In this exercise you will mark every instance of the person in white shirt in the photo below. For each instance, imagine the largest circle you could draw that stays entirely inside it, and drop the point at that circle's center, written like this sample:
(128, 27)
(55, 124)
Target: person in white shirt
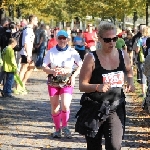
(59, 64)
(27, 63)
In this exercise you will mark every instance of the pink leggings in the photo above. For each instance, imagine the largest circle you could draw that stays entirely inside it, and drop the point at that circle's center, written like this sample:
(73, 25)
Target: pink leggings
(58, 91)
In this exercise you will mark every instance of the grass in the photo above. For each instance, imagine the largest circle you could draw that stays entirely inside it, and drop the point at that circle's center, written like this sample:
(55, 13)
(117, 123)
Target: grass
(141, 117)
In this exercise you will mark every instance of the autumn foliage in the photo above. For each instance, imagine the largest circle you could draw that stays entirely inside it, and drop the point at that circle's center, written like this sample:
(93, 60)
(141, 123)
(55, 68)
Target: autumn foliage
(65, 10)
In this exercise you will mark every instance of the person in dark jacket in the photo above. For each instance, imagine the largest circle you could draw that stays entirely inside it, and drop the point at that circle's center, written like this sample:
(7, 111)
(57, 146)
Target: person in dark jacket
(103, 102)
(139, 33)
(135, 39)
(5, 33)
(147, 52)
(128, 42)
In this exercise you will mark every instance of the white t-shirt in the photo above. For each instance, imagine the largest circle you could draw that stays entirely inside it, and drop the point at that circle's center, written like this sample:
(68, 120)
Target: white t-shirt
(28, 38)
(69, 58)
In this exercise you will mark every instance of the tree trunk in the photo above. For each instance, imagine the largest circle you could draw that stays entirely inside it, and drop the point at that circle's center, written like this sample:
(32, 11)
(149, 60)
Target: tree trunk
(147, 13)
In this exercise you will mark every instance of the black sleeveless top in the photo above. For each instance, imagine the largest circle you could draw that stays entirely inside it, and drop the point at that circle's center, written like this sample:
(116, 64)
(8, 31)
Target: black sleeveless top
(115, 93)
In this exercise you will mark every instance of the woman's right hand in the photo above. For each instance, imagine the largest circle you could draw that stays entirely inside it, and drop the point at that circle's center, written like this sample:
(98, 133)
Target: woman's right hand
(104, 87)
(56, 71)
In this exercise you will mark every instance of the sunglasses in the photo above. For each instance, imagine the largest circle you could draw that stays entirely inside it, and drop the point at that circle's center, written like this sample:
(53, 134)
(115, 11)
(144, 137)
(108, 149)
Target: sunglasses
(108, 40)
(62, 38)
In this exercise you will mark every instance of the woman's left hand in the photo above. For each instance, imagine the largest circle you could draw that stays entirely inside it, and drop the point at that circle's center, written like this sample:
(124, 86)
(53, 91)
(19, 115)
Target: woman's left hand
(130, 88)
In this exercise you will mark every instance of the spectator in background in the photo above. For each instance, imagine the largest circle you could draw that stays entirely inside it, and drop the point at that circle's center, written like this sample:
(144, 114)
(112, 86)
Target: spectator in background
(122, 34)
(128, 42)
(120, 43)
(69, 36)
(13, 27)
(135, 39)
(23, 23)
(73, 33)
(146, 101)
(9, 67)
(79, 43)
(90, 39)
(147, 51)
(5, 33)
(137, 36)
(55, 31)
(27, 63)
(48, 32)
(41, 46)
(18, 24)
(52, 42)
(134, 31)
(140, 51)
(4, 24)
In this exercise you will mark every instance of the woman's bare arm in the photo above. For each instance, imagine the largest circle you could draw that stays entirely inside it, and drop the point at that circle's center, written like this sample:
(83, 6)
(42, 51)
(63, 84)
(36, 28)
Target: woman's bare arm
(48, 70)
(85, 75)
(128, 68)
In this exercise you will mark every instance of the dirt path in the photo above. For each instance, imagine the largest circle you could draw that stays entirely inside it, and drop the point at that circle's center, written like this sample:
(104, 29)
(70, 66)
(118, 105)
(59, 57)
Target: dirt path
(25, 122)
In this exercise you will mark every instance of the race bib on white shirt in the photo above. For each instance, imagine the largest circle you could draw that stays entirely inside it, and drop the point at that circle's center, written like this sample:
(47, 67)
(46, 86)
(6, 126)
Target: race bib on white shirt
(116, 79)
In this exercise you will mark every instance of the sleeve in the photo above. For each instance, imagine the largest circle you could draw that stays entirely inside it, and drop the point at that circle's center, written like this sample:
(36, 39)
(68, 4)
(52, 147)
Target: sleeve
(77, 60)
(27, 36)
(46, 60)
(148, 41)
(49, 44)
(139, 42)
(43, 34)
(133, 40)
(123, 43)
(13, 60)
(74, 40)
(147, 47)
(83, 39)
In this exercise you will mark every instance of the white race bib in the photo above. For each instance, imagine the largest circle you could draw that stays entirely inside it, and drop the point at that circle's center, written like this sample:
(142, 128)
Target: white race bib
(116, 79)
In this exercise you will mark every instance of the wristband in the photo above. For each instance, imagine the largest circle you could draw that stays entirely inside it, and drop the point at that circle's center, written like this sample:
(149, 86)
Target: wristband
(97, 87)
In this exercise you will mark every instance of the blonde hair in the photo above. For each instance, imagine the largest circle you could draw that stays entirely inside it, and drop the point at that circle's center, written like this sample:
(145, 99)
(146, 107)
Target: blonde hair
(144, 31)
(105, 26)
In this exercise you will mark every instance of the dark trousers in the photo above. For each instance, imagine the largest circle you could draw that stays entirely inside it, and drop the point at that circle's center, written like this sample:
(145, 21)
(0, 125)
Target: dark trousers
(140, 73)
(113, 131)
(81, 53)
(40, 54)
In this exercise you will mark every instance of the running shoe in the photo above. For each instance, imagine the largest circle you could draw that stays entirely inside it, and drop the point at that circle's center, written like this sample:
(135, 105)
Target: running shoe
(66, 132)
(56, 134)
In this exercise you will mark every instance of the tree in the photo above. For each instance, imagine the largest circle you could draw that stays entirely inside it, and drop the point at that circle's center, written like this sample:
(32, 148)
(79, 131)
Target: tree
(65, 10)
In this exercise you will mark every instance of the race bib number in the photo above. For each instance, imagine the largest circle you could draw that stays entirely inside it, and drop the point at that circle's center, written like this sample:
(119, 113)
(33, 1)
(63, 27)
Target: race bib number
(116, 79)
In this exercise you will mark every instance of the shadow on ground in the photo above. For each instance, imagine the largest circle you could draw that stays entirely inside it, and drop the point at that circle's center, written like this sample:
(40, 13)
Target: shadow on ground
(32, 113)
